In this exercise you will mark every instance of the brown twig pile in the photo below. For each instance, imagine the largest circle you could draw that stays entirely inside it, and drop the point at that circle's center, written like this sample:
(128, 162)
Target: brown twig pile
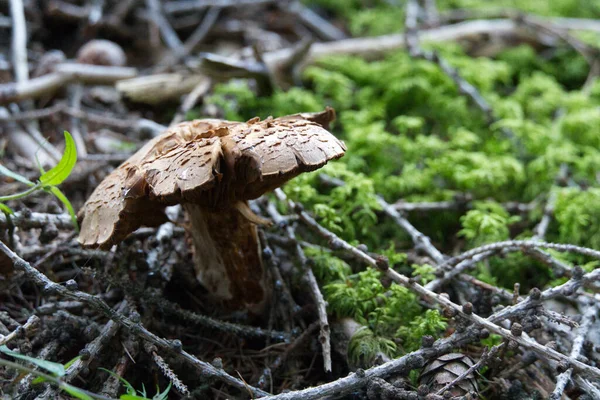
(136, 309)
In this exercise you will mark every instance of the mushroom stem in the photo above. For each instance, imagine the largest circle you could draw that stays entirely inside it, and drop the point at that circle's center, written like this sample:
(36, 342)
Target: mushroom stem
(227, 257)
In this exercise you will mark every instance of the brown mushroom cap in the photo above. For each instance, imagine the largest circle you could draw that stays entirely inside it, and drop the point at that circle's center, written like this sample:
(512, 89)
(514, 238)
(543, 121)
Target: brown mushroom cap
(212, 163)
(102, 52)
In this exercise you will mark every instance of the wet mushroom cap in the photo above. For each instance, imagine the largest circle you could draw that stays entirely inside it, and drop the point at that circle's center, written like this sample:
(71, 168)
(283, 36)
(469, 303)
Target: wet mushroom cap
(212, 163)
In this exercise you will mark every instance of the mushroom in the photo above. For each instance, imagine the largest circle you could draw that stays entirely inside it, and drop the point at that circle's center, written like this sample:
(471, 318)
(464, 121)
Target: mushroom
(101, 52)
(212, 167)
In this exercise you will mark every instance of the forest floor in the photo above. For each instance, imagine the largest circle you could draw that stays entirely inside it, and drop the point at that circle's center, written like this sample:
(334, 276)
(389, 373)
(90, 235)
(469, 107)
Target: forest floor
(452, 252)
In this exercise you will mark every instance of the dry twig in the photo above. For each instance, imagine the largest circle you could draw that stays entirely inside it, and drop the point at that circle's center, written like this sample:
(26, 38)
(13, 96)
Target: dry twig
(324, 335)
(63, 74)
(135, 328)
(589, 317)
(380, 263)
(31, 324)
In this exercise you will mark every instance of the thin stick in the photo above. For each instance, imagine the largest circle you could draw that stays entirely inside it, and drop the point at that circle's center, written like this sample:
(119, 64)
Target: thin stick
(325, 334)
(517, 245)
(464, 87)
(115, 121)
(76, 92)
(168, 33)
(486, 357)
(19, 40)
(136, 328)
(183, 6)
(170, 375)
(64, 73)
(381, 265)
(589, 317)
(193, 40)
(589, 387)
(19, 52)
(539, 232)
(98, 345)
(190, 101)
(32, 323)
(419, 239)
(325, 29)
(27, 220)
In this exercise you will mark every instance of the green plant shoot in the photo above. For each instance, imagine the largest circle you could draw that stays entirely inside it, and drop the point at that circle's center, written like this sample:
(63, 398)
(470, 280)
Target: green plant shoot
(48, 181)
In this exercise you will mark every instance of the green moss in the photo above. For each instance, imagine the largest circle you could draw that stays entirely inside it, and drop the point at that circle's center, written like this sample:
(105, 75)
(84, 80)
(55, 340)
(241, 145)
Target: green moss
(564, 8)
(430, 323)
(582, 127)
(578, 216)
(488, 222)
(412, 136)
(365, 346)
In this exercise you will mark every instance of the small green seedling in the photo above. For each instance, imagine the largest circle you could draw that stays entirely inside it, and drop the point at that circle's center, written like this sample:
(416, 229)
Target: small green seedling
(48, 181)
(55, 372)
(133, 394)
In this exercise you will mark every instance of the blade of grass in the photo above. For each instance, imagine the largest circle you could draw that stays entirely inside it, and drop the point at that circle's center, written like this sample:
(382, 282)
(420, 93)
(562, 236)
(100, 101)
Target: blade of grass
(61, 196)
(17, 177)
(55, 369)
(20, 195)
(62, 170)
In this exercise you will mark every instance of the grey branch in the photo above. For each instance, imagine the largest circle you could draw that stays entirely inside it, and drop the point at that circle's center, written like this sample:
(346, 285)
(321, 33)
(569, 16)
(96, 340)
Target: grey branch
(93, 349)
(518, 245)
(27, 220)
(160, 21)
(381, 264)
(419, 239)
(170, 375)
(372, 47)
(589, 317)
(324, 335)
(589, 387)
(137, 329)
(31, 324)
(325, 29)
(198, 35)
(183, 6)
(63, 74)
(19, 40)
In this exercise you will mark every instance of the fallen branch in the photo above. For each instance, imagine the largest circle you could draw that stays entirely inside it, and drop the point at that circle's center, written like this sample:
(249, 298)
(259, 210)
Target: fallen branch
(324, 335)
(183, 6)
(63, 74)
(28, 220)
(588, 318)
(518, 245)
(380, 263)
(115, 121)
(169, 374)
(93, 349)
(420, 240)
(325, 29)
(160, 21)
(135, 328)
(32, 323)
